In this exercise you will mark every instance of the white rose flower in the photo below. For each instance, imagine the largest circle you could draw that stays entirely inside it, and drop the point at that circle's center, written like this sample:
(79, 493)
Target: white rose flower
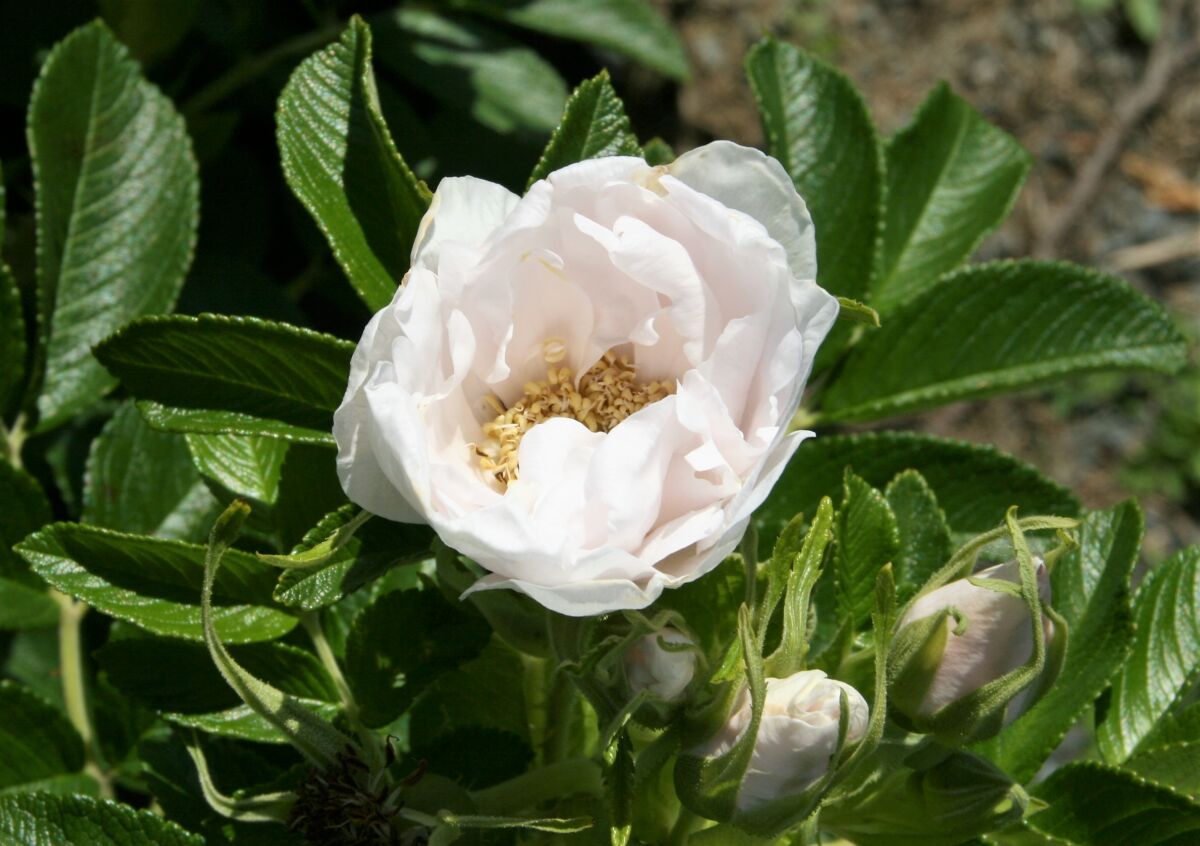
(996, 636)
(664, 672)
(587, 389)
(797, 737)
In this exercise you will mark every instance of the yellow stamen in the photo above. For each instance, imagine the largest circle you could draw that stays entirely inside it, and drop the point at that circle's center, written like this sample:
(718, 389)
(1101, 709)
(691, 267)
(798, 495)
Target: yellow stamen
(607, 393)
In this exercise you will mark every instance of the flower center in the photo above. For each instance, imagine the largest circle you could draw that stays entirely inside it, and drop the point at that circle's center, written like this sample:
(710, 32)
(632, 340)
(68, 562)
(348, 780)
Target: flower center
(607, 393)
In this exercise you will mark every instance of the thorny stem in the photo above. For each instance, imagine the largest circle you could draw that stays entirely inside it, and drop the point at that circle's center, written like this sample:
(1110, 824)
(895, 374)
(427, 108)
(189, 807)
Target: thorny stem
(370, 741)
(70, 656)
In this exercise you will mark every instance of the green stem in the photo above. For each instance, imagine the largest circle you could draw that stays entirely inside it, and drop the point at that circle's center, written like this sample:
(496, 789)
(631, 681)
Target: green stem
(685, 824)
(534, 684)
(70, 657)
(370, 741)
(563, 778)
(250, 69)
(11, 440)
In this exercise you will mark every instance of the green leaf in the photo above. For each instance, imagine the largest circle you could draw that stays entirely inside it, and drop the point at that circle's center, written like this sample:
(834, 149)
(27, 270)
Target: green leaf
(402, 642)
(1171, 766)
(1091, 590)
(975, 484)
(209, 422)
(62, 785)
(43, 819)
(247, 465)
(817, 125)
(1182, 726)
(951, 178)
(12, 335)
(475, 756)
(486, 691)
(1000, 327)
(242, 723)
(1092, 804)
(36, 740)
(341, 163)
(168, 674)
(117, 207)
(593, 125)
(237, 364)
(867, 539)
(142, 481)
(504, 85)
(631, 27)
(374, 549)
(155, 584)
(311, 735)
(925, 541)
(1165, 661)
(23, 510)
(24, 607)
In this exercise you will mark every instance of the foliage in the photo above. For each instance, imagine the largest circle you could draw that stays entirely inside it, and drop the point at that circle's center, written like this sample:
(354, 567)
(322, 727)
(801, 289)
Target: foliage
(195, 619)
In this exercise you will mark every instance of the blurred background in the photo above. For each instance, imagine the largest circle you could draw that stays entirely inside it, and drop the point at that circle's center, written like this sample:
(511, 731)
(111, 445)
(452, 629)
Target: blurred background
(1105, 94)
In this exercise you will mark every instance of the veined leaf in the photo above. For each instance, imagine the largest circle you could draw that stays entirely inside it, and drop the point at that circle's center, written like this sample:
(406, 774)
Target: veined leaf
(402, 642)
(23, 510)
(1000, 327)
(341, 163)
(253, 367)
(951, 178)
(12, 335)
(242, 723)
(116, 209)
(42, 819)
(155, 584)
(211, 422)
(373, 550)
(975, 484)
(247, 465)
(504, 85)
(25, 607)
(1089, 803)
(142, 481)
(1172, 766)
(36, 740)
(867, 539)
(593, 125)
(818, 127)
(1165, 661)
(1091, 590)
(925, 540)
(631, 27)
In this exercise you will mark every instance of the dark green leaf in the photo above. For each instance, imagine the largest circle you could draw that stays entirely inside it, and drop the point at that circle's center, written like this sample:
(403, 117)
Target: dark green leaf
(236, 364)
(12, 335)
(23, 510)
(474, 756)
(486, 691)
(401, 643)
(43, 819)
(1173, 766)
(156, 583)
(1091, 591)
(867, 539)
(818, 127)
(149, 29)
(341, 163)
(1000, 327)
(631, 27)
(925, 542)
(951, 178)
(974, 484)
(176, 675)
(247, 465)
(242, 723)
(116, 208)
(208, 422)
(373, 550)
(469, 67)
(1092, 804)
(1182, 726)
(24, 607)
(36, 740)
(593, 125)
(1166, 655)
(142, 481)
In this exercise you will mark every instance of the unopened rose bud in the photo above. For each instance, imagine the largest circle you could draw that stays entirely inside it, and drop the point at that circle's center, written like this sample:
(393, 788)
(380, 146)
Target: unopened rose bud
(797, 738)
(666, 673)
(987, 633)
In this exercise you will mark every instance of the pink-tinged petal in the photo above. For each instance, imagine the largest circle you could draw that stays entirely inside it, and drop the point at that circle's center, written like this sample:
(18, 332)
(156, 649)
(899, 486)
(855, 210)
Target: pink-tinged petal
(463, 213)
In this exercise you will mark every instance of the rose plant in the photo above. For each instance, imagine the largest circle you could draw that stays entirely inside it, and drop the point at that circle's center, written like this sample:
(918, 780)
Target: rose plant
(545, 550)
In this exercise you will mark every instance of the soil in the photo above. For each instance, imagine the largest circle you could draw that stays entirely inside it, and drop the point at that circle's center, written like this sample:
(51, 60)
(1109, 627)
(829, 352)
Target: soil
(1050, 74)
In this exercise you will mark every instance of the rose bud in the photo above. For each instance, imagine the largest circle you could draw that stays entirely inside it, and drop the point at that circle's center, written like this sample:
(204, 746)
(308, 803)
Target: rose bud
(588, 390)
(797, 737)
(963, 636)
(666, 673)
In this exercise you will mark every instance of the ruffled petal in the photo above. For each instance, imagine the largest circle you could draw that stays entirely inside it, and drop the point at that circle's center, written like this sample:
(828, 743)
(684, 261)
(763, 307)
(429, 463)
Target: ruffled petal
(464, 212)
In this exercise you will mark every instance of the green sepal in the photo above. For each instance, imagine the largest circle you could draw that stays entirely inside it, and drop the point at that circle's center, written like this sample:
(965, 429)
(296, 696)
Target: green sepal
(804, 568)
(321, 553)
(266, 807)
(917, 650)
(854, 311)
(315, 739)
